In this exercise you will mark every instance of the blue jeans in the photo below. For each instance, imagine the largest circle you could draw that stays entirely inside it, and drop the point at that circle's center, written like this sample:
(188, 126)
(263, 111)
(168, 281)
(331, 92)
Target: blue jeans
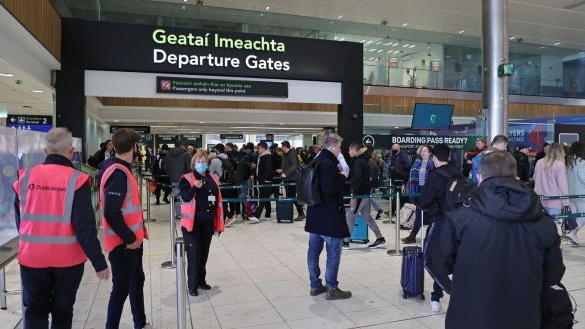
(553, 212)
(333, 247)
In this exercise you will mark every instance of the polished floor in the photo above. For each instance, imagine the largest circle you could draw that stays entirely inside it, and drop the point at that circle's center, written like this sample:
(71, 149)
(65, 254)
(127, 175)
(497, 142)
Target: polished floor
(260, 280)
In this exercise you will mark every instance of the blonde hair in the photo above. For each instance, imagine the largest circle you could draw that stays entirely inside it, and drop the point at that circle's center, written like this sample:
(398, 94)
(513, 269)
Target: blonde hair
(198, 155)
(555, 153)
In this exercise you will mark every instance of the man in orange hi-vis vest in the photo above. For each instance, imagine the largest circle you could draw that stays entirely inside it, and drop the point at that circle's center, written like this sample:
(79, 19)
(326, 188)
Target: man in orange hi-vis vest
(56, 222)
(123, 230)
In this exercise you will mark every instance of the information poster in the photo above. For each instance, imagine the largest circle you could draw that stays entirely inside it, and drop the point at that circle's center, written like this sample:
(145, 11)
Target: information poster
(213, 87)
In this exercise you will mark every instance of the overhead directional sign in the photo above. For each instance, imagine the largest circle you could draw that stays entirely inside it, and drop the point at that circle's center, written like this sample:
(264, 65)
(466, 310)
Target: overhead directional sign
(42, 123)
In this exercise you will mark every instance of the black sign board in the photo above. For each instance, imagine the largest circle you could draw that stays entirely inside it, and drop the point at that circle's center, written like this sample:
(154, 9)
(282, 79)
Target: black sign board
(29, 119)
(194, 140)
(231, 136)
(143, 130)
(147, 140)
(215, 87)
(165, 139)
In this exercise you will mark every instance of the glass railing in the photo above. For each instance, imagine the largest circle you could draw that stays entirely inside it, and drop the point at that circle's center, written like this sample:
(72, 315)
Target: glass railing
(424, 78)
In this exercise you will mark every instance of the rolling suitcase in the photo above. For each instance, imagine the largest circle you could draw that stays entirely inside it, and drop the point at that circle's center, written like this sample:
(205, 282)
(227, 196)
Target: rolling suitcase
(284, 208)
(250, 207)
(412, 276)
(360, 231)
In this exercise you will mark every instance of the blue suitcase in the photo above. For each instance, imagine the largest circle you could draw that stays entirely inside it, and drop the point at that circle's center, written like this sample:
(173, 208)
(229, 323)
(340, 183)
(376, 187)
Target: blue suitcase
(412, 276)
(360, 231)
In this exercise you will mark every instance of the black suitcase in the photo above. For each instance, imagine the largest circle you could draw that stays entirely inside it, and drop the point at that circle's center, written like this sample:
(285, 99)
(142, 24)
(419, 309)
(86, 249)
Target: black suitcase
(412, 276)
(284, 211)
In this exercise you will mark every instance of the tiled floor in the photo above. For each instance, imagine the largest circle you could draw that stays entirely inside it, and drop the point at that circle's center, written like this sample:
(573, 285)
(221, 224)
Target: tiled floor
(260, 280)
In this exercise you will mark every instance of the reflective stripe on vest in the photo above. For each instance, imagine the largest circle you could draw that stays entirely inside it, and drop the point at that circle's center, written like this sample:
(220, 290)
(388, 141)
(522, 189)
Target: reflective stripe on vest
(189, 208)
(131, 208)
(47, 236)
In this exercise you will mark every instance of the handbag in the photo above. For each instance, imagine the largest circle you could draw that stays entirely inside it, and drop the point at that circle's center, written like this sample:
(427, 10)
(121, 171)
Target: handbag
(571, 222)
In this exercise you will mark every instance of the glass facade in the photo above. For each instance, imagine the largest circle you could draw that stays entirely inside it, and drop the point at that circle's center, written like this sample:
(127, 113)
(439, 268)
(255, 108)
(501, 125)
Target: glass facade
(393, 56)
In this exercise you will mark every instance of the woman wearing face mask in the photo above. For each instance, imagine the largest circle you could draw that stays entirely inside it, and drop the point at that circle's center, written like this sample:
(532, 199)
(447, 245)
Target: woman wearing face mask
(201, 216)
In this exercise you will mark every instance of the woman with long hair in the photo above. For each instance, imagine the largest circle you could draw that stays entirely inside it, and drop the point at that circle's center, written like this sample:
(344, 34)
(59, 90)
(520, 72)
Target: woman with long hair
(419, 172)
(201, 216)
(550, 179)
(576, 180)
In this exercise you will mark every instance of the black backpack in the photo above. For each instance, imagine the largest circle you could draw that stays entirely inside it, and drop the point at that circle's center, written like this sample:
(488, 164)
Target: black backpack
(228, 172)
(557, 311)
(93, 161)
(308, 192)
(457, 193)
(374, 173)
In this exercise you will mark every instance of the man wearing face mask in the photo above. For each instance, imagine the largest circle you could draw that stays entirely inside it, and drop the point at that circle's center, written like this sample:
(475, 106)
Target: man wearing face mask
(326, 221)
(201, 216)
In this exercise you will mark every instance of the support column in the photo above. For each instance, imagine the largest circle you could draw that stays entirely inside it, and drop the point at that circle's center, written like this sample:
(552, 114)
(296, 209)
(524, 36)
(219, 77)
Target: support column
(495, 52)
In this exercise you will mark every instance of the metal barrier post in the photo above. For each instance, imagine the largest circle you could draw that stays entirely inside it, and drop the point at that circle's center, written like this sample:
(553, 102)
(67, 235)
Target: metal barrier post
(148, 196)
(3, 303)
(172, 263)
(397, 251)
(140, 187)
(181, 296)
(422, 230)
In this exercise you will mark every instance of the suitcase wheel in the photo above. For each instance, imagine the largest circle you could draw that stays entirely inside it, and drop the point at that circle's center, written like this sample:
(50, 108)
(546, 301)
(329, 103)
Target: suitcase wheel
(422, 297)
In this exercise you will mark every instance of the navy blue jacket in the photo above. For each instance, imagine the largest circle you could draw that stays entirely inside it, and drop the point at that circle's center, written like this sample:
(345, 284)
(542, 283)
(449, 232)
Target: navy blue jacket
(82, 216)
(115, 192)
(328, 218)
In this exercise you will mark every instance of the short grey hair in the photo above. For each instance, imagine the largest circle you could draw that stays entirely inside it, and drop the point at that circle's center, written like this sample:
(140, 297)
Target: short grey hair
(58, 140)
(331, 140)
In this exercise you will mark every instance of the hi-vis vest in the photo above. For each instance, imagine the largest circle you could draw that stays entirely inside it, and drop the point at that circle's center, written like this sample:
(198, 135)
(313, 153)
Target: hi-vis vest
(131, 208)
(188, 209)
(47, 237)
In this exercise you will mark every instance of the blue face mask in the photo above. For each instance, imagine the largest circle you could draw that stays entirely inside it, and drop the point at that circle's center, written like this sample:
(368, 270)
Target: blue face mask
(201, 167)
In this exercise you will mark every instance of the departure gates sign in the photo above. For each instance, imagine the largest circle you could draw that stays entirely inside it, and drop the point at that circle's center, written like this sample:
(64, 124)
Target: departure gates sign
(198, 51)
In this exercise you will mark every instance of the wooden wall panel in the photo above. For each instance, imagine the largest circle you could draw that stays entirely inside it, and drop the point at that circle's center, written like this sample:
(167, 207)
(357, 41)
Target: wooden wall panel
(40, 19)
(198, 103)
(372, 104)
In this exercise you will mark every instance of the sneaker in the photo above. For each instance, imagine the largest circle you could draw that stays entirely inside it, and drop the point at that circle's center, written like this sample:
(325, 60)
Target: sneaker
(166, 200)
(300, 218)
(230, 221)
(253, 220)
(379, 243)
(157, 203)
(573, 237)
(265, 219)
(318, 291)
(386, 221)
(379, 215)
(336, 293)
(435, 306)
(409, 240)
(345, 246)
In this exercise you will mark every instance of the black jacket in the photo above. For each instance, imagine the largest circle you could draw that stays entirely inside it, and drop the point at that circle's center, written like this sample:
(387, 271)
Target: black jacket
(264, 168)
(178, 163)
(501, 249)
(522, 166)
(359, 173)
(328, 218)
(82, 216)
(432, 193)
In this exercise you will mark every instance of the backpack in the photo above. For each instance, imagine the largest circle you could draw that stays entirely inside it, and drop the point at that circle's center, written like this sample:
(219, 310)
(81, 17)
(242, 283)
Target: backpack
(93, 161)
(457, 193)
(557, 310)
(308, 192)
(374, 173)
(228, 172)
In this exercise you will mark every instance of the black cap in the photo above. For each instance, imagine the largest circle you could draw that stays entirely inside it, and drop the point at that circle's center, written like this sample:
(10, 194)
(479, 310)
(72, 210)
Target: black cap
(165, 147)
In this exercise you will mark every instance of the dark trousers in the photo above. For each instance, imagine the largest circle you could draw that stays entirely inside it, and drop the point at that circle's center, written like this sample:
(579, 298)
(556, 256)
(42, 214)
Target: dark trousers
(49, 290)
(159, 187)
(291, 192)
(432, 246)
(230, 208)
(265, 192)
(197, 245)
(128, 281)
